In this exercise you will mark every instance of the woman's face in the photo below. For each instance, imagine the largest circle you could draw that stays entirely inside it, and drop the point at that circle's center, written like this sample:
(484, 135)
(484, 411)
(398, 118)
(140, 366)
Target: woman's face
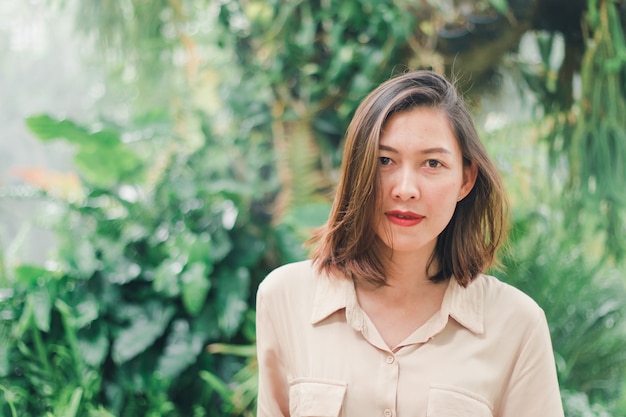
(422, 178)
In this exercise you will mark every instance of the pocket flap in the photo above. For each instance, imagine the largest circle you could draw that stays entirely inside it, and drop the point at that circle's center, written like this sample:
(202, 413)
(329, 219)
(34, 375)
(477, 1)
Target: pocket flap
(316, 398)
(448, 401)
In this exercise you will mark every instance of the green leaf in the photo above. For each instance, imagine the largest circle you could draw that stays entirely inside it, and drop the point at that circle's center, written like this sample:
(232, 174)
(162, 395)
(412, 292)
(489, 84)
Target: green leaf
(5, 348)
(84, 258)
(100, 412)
(148, 323)
(101, 156)
(232, 296)
(123, 271)
(181, 349)
(24, 323)
(217, 385)
(289, 243)
(105, 139)
(199, 249)
(72, 407)
(41, 303)
(221, 245)
(166, 278)
(105, 166)
(195, 285)
(47, 128)
(87, 311)
(502, 6)
(97, 168)
(94, 344)
(29, 275)
(247, 351)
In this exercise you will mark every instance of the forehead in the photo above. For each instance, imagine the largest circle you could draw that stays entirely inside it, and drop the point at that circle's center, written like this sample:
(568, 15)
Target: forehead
(425, 126)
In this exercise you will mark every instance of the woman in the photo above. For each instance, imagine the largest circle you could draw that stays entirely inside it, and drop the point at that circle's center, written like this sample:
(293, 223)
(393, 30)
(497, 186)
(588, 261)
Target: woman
(393, 315)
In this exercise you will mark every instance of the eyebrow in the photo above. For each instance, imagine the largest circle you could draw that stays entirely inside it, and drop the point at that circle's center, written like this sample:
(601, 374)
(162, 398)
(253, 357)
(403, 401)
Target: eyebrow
(426, 151)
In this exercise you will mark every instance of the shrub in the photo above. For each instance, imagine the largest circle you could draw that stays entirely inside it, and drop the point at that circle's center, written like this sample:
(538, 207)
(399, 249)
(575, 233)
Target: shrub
(156, 260)
(585, 303)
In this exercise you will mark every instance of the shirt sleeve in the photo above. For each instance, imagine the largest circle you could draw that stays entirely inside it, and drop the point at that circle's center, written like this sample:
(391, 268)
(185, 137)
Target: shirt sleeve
(273, 393)
(533, 389)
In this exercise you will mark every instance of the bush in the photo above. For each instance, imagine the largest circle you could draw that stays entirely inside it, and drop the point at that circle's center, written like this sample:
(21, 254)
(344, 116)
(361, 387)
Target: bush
(156, 261)
(585, 304)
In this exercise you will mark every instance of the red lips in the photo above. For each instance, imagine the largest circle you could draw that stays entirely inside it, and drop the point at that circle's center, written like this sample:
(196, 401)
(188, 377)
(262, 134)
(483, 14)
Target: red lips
(404, 218)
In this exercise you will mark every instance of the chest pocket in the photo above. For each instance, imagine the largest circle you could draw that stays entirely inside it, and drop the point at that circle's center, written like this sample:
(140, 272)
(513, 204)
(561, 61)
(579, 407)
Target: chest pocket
(449, 401)
(310, 397)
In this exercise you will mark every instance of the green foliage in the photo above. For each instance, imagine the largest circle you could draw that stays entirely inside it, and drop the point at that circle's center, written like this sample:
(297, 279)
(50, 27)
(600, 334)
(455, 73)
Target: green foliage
(316, 60)
(41, 348)
(324, 54)
(577, 404)
(584, 300)
(598, 143)
(137, 42)
(502, 6)
(588, 136)
(147, 309)
(101, 156)
(564, 267)
(148, 273)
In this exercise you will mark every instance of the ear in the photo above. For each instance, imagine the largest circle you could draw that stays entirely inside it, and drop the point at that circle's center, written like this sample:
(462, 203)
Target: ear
(470, 172)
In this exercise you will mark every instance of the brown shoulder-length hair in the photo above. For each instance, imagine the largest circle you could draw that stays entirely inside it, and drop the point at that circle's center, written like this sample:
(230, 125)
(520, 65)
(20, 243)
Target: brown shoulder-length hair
(467, 246)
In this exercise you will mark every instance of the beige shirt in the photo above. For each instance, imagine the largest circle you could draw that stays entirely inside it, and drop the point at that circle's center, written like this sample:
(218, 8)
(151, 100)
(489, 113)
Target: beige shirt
(487, 352)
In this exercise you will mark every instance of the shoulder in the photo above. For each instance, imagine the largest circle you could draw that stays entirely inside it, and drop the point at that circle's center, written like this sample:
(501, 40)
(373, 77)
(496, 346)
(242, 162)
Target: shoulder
(289, 278)
(289, 294)
(503, 301)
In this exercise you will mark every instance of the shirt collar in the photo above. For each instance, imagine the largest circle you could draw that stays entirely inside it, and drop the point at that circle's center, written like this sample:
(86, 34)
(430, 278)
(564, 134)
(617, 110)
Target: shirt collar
(333, 293)
(465, 305)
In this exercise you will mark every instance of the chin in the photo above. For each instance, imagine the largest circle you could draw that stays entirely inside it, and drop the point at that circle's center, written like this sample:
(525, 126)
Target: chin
(407, 248)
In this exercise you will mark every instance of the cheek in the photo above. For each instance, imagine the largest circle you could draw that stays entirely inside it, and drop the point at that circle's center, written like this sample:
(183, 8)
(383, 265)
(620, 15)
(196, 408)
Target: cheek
(377, 207)
(445, 191)
(383, 186)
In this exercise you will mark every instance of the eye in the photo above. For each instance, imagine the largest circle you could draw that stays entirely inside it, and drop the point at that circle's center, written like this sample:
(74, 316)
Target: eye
(433, 163)
(384, 160)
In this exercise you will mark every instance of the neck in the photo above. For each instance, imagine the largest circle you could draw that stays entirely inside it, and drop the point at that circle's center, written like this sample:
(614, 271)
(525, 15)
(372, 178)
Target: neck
(409, 267)
(406, 276)
(408, 290)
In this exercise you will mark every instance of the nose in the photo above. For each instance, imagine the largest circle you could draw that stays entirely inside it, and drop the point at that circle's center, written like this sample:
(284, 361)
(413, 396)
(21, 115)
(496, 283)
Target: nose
(406, 185)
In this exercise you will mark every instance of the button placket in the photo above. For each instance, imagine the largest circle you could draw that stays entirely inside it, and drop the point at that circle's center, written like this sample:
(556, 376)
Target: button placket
(392, 378)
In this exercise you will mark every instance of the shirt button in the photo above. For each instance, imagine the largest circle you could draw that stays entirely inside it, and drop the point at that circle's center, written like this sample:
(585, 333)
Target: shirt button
(390, 360)
(387, 412)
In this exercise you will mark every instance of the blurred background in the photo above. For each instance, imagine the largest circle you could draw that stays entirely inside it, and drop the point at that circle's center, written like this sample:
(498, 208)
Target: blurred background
(158, 158)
